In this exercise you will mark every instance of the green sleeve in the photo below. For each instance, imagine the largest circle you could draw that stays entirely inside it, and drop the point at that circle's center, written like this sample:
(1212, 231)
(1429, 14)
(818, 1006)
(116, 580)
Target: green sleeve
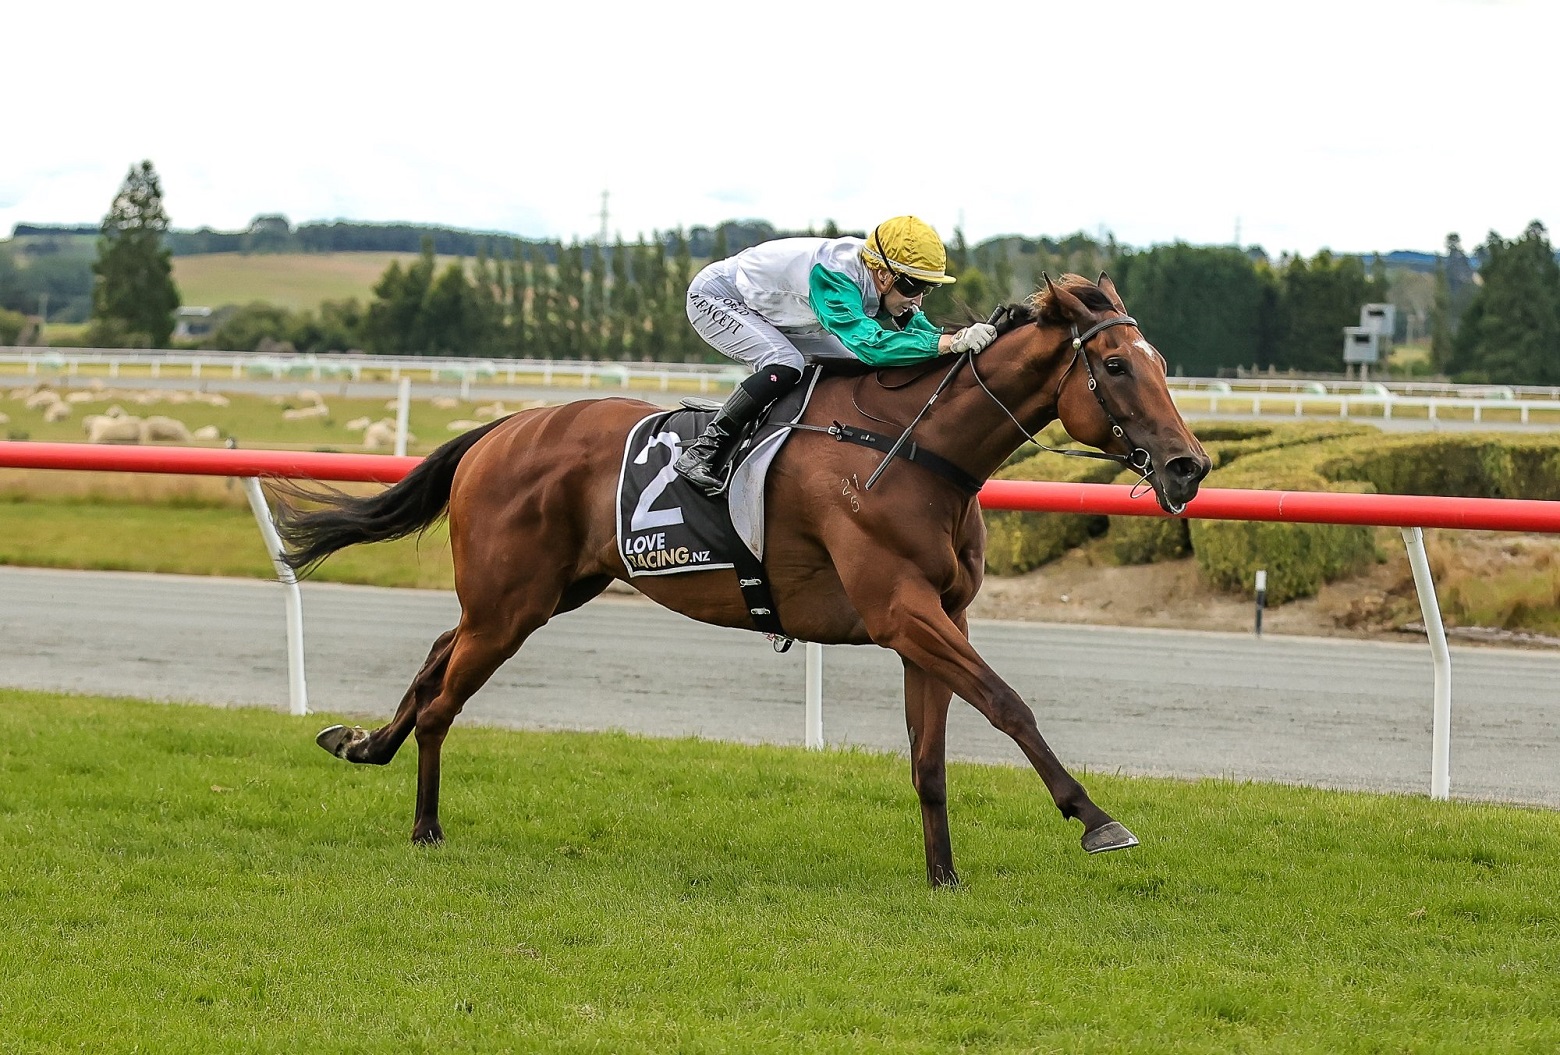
(919, 321)
(837, 303)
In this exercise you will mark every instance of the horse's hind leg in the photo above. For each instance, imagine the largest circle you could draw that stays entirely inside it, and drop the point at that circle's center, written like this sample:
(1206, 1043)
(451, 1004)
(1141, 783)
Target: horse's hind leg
(926, 717)
(379, 747)
(488, 634)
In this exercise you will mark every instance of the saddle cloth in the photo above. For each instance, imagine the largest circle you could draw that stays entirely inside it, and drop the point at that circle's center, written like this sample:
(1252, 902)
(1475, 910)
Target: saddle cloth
(665, 524)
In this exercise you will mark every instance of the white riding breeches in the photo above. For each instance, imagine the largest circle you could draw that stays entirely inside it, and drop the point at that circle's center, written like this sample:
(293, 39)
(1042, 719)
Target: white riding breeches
(717, 311)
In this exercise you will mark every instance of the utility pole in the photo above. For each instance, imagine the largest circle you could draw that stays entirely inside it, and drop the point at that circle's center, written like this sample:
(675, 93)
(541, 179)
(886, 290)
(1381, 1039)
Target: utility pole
(601, 235)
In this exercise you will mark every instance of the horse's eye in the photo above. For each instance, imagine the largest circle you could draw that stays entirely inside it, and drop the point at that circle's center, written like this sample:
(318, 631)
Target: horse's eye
(1115, 367)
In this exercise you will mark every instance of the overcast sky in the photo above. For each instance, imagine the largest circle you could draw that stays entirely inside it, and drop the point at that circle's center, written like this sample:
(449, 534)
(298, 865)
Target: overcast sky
(1368, 125)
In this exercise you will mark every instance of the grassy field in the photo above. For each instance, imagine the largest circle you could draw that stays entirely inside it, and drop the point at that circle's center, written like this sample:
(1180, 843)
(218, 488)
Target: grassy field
(254, 420)
(291, 280)
(183, 879)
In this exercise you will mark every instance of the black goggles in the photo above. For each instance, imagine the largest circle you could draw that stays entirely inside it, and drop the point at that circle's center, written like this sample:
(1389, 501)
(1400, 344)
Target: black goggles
(912, 288)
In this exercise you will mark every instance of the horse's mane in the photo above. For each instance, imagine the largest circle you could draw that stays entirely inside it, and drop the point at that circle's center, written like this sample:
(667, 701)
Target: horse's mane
(1042, 306)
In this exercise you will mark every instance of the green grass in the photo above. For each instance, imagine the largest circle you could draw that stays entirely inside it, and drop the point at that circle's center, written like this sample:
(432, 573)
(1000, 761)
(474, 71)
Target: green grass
(183, 879)
(196, 540)
(291, 280)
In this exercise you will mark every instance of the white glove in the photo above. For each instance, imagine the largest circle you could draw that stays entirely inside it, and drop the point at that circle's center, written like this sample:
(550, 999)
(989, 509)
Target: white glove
(973, 338)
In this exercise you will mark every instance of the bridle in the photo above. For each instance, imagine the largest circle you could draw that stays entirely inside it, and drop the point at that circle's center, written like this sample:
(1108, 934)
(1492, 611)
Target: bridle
(1137, 459)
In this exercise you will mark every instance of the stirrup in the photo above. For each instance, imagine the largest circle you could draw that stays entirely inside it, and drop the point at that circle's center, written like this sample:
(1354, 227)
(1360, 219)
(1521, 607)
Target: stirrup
(715, 474)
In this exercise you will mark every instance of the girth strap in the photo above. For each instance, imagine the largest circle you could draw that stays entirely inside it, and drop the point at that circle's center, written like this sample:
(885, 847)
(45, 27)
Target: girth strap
(753, 581)
(910, 451)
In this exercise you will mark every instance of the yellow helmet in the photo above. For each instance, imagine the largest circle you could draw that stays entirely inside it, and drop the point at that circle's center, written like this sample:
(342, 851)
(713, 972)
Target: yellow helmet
(907, 245)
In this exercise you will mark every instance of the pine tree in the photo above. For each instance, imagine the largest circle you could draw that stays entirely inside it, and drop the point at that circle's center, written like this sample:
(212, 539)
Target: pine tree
(518, 324)
(133, 294)
(394, 324)
(682, 343)
(622, 305)
(1454, 288)
(1317, 299)
(1510, 332)
(596, 300)
(543, 323)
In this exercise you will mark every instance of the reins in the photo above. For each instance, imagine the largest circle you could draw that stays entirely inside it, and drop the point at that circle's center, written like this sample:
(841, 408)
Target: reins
(1137, 458)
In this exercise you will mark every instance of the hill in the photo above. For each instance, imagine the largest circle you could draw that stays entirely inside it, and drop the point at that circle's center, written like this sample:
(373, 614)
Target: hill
(291, 280)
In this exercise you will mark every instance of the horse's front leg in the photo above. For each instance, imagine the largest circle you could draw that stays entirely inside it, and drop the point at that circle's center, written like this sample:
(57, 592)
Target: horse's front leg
(926, 718)
(903, 611)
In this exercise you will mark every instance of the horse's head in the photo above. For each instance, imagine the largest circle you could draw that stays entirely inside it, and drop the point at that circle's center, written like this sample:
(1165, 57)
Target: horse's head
(1108, 386)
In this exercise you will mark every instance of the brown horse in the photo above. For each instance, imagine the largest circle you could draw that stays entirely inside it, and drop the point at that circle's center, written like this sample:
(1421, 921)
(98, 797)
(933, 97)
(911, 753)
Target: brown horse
(530, 500)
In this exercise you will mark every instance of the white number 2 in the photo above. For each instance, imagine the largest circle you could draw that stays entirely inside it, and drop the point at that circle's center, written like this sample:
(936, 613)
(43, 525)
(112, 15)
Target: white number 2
(644, 517)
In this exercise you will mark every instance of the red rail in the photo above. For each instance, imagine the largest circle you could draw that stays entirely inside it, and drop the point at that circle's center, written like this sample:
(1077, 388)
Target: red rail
(1312, 507)
(206, 461)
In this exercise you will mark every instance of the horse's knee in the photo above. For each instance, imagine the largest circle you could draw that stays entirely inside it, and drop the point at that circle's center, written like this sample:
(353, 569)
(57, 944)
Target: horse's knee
(1011, 715)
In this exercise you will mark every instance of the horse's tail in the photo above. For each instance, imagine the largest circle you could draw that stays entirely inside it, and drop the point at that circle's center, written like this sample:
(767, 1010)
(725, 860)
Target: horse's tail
(341, 520)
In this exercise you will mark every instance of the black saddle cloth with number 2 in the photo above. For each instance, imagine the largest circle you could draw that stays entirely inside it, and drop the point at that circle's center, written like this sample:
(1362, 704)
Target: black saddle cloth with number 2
(667, 525)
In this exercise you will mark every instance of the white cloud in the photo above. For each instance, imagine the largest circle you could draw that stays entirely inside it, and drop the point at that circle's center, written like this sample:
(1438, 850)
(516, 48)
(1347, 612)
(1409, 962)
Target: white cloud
(1377, 124)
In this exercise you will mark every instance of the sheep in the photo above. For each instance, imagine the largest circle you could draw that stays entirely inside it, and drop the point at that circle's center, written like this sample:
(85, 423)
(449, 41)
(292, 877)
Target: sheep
(81, 397)
(490, 410)
(444, 402)
(5, 419)
(57, 411)
(100, 428)
(206, 432)
(463, 425)
(214, 399)
(160, 429)
(308, 395)
(381, 434)
(359, 424)
(44, 397)
(318, 410)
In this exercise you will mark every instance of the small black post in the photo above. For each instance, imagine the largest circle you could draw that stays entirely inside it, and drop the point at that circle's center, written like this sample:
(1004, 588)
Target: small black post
(1261, 597)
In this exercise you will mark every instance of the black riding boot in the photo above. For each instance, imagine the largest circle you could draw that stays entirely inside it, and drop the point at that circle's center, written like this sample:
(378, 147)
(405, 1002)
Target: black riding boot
(702, 462)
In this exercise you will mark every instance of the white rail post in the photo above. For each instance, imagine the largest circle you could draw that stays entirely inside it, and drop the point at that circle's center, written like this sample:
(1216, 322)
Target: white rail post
(1441, 723)
(297, 689)
(814, 695)
(403, 409)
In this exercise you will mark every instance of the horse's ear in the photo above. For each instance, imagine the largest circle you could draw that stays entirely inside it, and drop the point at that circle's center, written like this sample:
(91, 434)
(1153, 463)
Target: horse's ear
(1070, 305)
(1109, 289)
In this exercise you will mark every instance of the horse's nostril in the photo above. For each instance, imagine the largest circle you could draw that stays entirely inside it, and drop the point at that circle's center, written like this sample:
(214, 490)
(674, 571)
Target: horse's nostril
(1186, 468)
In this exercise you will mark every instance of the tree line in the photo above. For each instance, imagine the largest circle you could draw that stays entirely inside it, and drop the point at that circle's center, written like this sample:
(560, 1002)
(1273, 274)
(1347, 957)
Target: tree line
(1209, 309)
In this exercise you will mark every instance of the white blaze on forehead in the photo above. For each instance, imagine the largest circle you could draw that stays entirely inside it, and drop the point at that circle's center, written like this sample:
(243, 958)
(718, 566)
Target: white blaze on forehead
(1148, 349)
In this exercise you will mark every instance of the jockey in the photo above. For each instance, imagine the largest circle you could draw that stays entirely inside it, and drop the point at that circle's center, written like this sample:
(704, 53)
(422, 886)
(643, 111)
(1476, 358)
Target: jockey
(792, 301)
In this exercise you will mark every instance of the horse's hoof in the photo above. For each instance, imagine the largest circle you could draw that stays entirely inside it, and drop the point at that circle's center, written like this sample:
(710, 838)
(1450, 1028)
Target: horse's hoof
(1112, 836)
(430, 837)
(338, 738)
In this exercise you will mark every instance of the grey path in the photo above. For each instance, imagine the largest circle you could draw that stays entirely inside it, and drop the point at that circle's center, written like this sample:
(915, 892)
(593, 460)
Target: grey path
(1328, 712)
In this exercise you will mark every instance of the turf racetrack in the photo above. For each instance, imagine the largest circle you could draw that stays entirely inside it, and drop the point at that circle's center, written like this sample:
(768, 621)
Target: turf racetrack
(187, 879)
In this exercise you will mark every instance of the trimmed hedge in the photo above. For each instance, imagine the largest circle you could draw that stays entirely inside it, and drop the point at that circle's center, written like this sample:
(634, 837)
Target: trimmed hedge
(1297, 456)
(1020, 542)
(1469, 465)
